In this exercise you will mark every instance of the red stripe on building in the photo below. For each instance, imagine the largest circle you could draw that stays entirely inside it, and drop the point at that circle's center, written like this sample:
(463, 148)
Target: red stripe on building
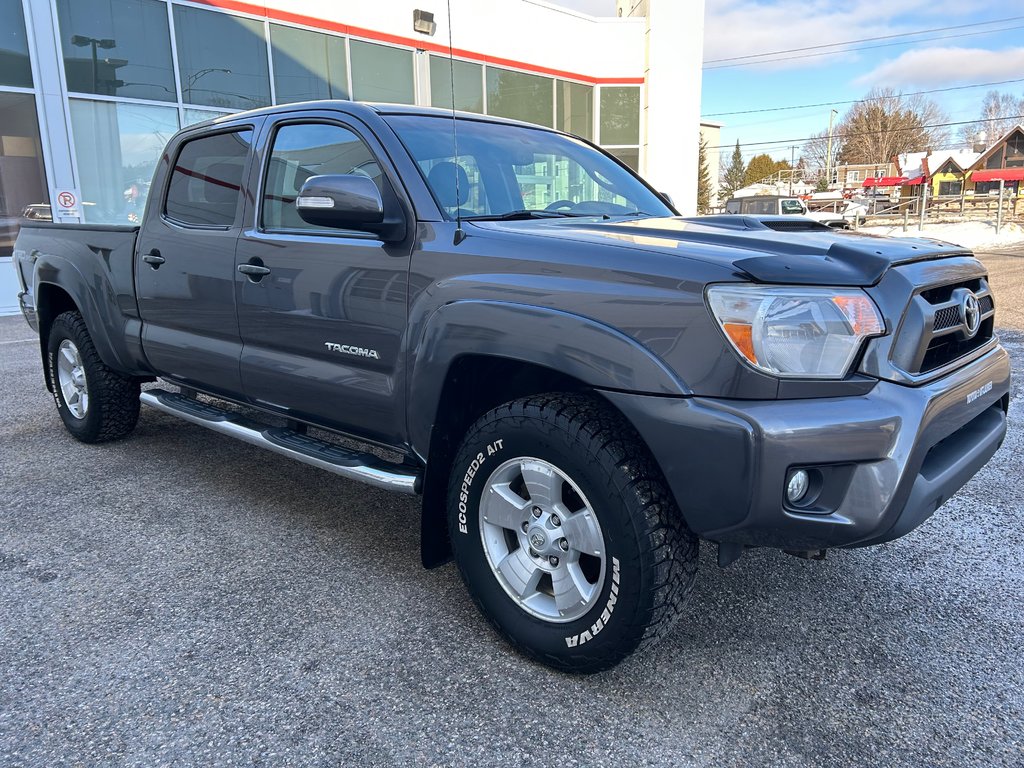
(411, 42)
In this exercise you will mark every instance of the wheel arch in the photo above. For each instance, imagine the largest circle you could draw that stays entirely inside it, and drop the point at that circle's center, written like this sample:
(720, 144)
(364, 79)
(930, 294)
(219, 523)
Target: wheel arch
(470, 360)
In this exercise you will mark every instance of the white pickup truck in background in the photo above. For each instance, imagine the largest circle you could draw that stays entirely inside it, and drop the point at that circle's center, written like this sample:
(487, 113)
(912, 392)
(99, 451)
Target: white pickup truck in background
(777, 205)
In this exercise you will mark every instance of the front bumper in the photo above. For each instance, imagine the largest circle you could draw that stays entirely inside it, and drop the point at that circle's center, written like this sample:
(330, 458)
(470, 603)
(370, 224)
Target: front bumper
(888, 458)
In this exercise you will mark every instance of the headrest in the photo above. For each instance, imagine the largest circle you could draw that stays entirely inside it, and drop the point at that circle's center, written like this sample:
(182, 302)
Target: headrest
(442, 180)
(222, 182)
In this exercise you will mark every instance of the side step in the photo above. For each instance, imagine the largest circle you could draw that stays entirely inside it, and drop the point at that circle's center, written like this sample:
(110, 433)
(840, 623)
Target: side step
(364, 467)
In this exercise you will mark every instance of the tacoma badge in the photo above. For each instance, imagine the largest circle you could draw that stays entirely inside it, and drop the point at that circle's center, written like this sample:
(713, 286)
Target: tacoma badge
(350, 350)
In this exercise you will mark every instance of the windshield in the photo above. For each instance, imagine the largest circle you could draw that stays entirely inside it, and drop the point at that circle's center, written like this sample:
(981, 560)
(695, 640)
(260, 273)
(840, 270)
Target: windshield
(511, 171)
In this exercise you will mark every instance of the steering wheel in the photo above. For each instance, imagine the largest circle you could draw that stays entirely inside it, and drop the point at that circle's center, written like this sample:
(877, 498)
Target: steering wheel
(560, 204)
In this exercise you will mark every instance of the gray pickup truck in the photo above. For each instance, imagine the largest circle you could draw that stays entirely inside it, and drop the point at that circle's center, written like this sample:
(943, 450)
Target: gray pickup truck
(505, 320)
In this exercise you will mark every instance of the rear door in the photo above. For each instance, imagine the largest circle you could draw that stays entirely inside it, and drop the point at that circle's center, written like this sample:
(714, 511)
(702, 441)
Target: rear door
(185, 274)
(322, 329)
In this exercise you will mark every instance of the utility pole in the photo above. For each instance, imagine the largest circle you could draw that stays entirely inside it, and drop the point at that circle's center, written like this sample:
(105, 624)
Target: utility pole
(792, 168)
(828, 152)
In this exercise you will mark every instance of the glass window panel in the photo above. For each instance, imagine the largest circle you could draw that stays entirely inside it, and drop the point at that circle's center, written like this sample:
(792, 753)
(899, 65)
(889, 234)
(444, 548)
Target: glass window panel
(630, 157)
(23, 189)
(382, 73)
(301, 151)
(620, 115)
(206, 182)
(192, 116)
(469, 86)
(575, 108)
(222, 59)
(308, 65)
(117, 146)
(520, 96)
(117, 48)
(15, 68)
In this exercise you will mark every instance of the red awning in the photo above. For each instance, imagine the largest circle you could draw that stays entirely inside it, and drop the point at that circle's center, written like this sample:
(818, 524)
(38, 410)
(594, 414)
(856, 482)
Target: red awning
(914, 181)
(885, 181)
(1006, 174)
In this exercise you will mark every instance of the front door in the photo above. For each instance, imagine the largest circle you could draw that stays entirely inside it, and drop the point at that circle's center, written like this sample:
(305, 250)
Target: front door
(185, 274)
(322, 325)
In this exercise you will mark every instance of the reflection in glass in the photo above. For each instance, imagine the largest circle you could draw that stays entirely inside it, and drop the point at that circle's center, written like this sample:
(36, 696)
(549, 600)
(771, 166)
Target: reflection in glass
(620, 115)
(630, 157)
(302, 151)
(520, 96)
(469, 85)
(308, 65)
(222, 59)
(22, 178)
(382, 73)
(14, 64)
(117, 48)
(191, 116)
(575, 108)
(206, 183)
(117, 147)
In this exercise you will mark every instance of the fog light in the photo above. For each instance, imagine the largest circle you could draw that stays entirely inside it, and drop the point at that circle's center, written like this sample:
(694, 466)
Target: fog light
(796, 486)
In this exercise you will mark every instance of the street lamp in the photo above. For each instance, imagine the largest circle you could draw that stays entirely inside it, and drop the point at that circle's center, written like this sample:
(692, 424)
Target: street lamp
(106, 43)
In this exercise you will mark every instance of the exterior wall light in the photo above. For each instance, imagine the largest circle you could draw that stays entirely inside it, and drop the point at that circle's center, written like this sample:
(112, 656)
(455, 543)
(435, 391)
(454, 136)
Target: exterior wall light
(423, 22)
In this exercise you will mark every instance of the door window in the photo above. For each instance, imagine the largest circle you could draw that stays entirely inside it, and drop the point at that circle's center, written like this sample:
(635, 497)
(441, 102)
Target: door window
(206, 182)
(304, 150)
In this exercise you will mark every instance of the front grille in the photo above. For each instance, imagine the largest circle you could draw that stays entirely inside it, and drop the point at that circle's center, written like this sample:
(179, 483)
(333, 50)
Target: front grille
(936, 330)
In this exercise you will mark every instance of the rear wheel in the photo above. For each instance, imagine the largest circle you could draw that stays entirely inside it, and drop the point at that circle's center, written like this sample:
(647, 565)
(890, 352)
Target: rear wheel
(95, 402)
(565, 533)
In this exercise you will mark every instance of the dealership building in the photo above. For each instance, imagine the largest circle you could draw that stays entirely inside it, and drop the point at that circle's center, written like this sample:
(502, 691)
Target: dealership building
(90, 90)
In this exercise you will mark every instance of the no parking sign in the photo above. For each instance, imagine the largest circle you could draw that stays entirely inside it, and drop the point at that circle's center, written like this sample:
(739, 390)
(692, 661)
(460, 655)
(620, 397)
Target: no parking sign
(67, 203)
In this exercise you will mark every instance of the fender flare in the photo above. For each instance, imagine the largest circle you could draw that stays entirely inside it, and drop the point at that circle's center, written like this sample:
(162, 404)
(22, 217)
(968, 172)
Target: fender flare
(577, 346)
(98, 308)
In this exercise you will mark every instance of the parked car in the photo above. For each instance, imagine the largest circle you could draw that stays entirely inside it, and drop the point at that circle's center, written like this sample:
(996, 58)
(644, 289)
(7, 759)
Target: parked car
(579, 391)
(775, 205)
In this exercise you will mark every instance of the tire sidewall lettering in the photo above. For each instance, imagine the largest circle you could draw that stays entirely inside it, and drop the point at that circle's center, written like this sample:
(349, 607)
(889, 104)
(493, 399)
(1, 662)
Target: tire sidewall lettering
(493, 448)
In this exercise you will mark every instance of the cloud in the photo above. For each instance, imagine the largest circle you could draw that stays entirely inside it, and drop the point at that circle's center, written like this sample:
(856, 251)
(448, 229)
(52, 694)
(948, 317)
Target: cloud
(946, 66)
(743, 27)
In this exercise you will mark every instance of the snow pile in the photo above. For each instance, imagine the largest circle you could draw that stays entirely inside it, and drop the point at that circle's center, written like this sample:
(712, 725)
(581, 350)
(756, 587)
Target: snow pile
(968, 234)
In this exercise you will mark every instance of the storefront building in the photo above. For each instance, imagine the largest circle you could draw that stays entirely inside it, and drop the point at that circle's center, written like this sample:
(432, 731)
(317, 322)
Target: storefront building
(91, 90)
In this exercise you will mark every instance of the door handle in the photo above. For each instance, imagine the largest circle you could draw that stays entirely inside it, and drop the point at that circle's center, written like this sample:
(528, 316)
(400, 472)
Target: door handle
(254, 270)
(154, 259)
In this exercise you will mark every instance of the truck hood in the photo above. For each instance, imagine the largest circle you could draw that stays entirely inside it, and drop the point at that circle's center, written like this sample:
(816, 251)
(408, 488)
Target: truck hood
(766, 249)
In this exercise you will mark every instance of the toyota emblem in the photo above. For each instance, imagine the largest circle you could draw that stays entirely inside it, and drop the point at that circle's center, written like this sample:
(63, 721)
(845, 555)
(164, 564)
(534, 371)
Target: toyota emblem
(970, 312)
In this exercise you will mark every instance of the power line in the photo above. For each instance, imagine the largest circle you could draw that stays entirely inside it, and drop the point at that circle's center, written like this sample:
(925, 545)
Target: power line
(865, 40)
(787, 142)
(862, 48)
(862, 101)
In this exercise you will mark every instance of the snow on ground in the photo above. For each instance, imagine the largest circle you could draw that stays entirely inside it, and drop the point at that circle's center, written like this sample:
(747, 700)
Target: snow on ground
(969, 234)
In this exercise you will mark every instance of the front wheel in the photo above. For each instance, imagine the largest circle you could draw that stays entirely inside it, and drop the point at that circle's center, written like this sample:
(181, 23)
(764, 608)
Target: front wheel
(565, 532)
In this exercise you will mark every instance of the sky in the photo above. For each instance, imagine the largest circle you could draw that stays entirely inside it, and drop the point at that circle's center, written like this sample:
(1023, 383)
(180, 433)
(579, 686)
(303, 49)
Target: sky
(927, 60)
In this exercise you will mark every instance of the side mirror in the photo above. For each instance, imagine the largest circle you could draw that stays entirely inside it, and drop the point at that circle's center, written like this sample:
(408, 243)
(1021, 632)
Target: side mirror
(668, 199)
(342, 201)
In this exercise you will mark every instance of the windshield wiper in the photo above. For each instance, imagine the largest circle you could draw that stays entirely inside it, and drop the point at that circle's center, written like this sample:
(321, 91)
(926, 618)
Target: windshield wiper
(525, 214)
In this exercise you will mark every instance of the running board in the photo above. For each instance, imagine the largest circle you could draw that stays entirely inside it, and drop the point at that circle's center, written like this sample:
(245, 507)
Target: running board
(354, 465)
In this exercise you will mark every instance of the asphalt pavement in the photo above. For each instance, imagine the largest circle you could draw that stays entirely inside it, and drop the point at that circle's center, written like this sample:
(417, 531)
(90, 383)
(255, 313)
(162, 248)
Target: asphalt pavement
(179, 598)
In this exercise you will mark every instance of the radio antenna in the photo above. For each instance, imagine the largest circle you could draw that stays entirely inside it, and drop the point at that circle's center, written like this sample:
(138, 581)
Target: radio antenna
(459, 234)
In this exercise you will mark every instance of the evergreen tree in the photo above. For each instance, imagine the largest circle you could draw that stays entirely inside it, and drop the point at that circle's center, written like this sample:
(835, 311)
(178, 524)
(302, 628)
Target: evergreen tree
(703, 178)
(734, 174)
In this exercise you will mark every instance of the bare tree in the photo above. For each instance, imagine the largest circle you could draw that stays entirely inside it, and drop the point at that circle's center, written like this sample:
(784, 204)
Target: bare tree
(814, 154)
(887, 123)
(999, 113)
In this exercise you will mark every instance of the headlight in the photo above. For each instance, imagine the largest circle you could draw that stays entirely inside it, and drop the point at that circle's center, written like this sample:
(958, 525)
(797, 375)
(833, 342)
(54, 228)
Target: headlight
(795, 331)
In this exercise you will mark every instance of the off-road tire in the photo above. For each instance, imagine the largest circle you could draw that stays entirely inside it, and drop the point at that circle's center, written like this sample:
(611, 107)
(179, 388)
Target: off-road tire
(653, 552)
(113, 402)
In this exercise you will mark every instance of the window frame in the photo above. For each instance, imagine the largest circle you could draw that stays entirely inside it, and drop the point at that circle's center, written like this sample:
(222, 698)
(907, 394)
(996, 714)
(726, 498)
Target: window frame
(267, 154)
(183, 141)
